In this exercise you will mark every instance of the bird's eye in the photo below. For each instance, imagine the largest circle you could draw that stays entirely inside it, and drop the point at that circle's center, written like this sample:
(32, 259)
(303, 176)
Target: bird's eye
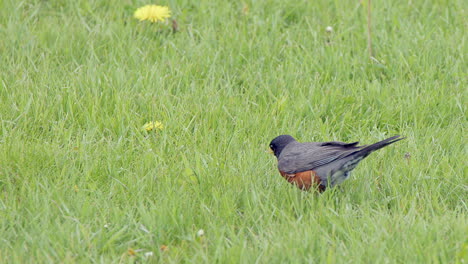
(271, 146)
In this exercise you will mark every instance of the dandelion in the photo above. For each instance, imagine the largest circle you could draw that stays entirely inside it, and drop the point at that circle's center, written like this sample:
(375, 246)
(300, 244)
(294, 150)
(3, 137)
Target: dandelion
(153, 125)
(200, 233)
(153, 13)
(329, 31)
(131, 252)
(163, 248)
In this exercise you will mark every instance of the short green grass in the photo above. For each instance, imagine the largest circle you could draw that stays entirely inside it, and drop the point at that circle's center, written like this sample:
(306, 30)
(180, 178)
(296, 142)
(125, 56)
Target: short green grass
(80, 181)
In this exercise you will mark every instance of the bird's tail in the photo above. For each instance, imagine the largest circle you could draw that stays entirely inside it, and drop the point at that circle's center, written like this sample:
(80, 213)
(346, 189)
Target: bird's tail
(364, 152)
(338, 170)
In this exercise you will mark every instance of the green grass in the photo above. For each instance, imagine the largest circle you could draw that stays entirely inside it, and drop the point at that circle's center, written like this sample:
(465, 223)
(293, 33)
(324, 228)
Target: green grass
(81, 182)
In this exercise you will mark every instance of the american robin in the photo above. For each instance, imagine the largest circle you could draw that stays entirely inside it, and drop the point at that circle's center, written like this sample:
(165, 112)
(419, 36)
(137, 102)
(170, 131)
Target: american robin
(320, 164)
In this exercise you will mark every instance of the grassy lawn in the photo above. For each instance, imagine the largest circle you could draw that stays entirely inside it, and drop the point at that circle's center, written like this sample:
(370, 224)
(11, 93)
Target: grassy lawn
(81, 181)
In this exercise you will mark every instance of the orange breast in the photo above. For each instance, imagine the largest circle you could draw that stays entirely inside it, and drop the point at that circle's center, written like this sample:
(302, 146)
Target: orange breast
(304, 180)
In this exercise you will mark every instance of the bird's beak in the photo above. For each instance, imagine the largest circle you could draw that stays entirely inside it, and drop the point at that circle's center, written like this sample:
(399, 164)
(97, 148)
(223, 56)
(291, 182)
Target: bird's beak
(270, 151)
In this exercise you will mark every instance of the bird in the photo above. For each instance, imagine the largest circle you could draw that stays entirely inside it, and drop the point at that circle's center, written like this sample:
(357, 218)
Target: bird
(320, 165)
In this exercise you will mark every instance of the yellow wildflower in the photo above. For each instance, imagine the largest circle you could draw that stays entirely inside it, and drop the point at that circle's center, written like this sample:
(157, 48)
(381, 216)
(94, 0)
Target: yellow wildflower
(153, 13)
(153, 125)
(163, 248)
(131, 252)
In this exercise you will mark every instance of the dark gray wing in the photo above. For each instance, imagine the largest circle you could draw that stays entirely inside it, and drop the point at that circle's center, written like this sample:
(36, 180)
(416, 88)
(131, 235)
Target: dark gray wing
(298, 157)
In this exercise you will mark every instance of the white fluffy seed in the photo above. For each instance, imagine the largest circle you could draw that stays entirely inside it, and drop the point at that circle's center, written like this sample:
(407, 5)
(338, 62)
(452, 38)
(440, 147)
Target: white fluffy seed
(200, 233)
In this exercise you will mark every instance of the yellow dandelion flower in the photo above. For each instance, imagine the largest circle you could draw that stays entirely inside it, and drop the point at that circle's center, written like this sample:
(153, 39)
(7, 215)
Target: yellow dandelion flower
(153, 125)
(131, 252)
(153, 13)
(164, 248)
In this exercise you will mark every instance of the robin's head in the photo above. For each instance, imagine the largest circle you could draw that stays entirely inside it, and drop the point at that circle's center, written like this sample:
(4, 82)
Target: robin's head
(279, 142)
